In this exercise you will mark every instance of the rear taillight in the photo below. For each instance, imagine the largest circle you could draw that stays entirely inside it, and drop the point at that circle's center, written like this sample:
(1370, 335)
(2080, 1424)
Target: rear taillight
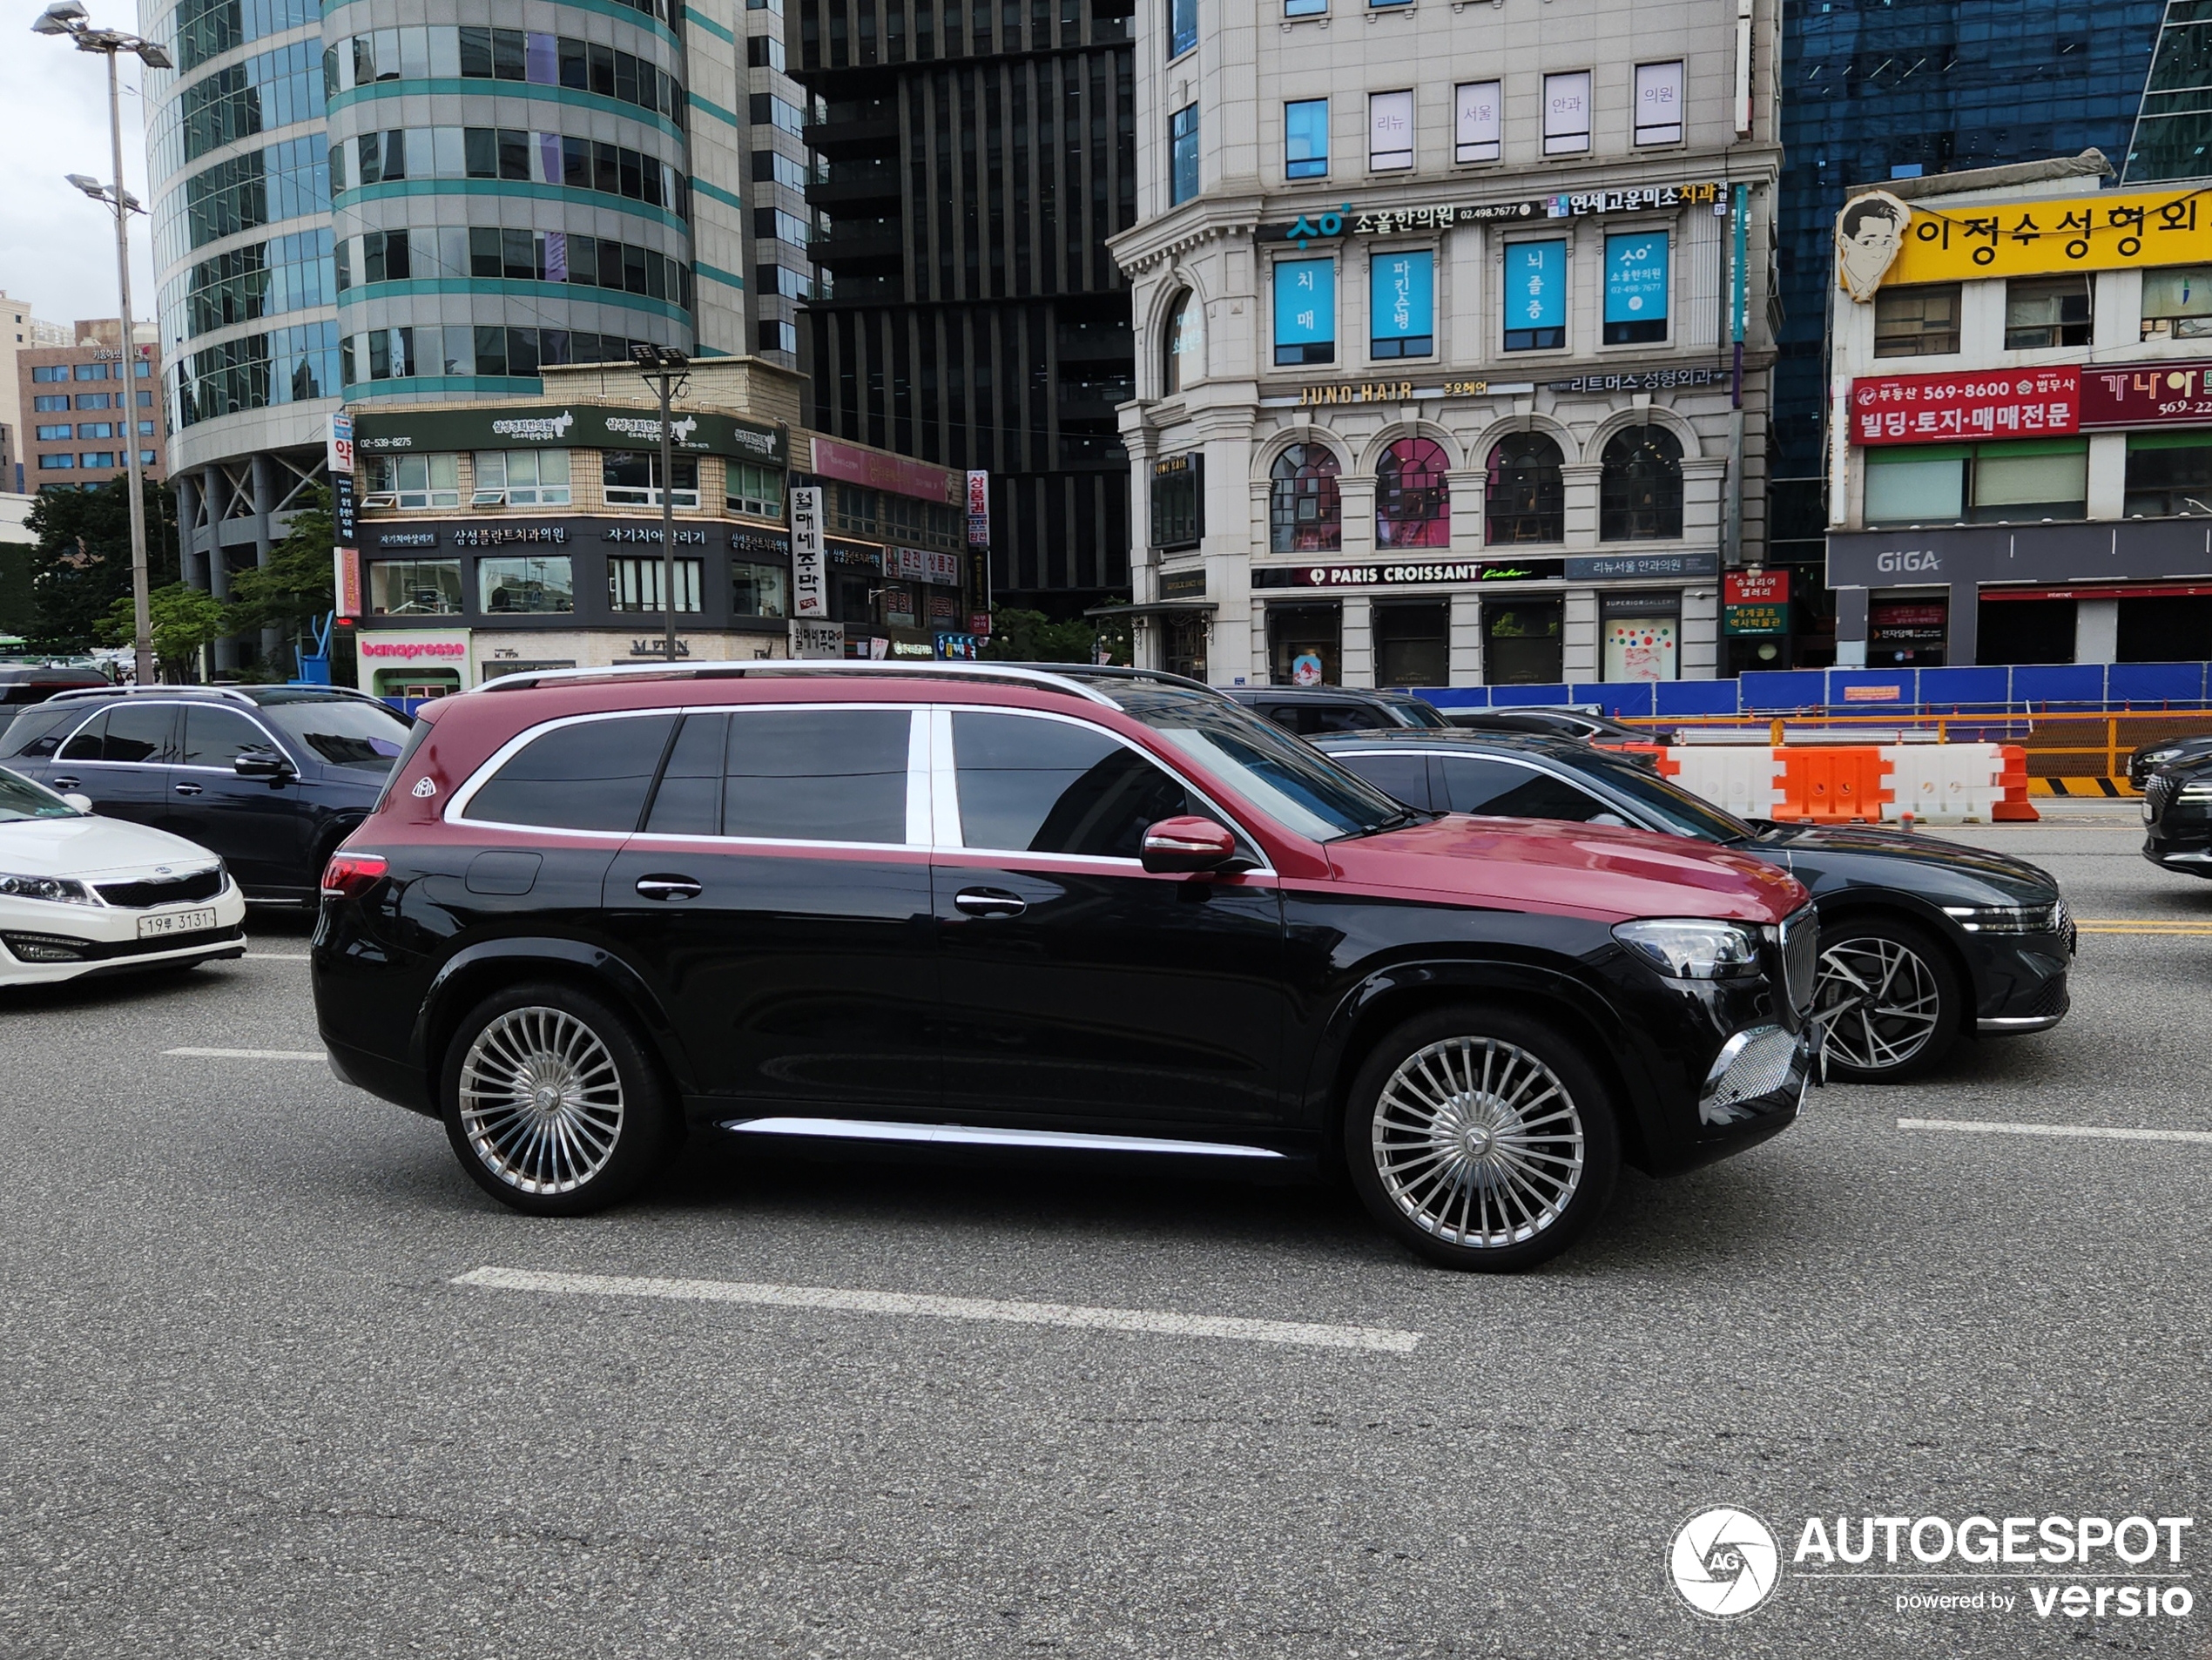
(348, 874)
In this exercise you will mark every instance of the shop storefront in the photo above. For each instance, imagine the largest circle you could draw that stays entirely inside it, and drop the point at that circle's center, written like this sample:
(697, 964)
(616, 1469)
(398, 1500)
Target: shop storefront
(414, 663)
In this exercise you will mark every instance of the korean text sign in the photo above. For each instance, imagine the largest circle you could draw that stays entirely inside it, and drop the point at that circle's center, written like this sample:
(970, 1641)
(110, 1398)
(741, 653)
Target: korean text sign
(2071, 233)
(1988, 403)
(2146, 394)
(1635, 278)
(1305, 302)
(1536, 285)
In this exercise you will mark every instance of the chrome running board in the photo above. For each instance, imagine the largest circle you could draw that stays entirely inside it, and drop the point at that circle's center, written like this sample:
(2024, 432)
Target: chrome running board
(977, 1135)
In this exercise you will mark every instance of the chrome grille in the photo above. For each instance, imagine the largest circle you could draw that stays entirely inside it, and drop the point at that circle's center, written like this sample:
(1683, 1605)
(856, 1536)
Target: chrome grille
(2158, 793)
(2063, 919)
(1761, 1066)
(158, 890)
(1800, 957)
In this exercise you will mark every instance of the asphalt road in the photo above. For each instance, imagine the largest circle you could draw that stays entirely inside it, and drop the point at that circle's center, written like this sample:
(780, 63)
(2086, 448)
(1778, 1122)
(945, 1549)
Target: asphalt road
(248, 1411)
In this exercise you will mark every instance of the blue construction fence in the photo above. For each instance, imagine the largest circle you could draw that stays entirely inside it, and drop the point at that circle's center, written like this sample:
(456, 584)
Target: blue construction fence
(2063, 688)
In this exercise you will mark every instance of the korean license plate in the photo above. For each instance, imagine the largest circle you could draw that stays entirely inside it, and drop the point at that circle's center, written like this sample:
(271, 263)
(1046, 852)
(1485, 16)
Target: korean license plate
(152, 927)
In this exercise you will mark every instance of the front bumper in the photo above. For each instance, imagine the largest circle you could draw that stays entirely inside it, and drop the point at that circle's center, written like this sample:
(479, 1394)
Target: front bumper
(2177, 835)
(1761, 1070)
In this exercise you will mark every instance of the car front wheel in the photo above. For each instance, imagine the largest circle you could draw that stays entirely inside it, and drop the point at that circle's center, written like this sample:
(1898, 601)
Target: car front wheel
(1889, 999)
(551, 1102)
(1481, 1139)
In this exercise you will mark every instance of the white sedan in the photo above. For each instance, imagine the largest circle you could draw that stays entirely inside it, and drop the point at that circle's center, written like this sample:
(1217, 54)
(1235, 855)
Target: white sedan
(80, 894)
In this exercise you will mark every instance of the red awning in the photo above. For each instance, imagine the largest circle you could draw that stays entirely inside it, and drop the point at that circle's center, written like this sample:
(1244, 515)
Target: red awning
(2106, 591)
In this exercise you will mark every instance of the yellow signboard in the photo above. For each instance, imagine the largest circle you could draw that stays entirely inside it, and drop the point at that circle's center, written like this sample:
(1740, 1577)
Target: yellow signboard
(2102, 232)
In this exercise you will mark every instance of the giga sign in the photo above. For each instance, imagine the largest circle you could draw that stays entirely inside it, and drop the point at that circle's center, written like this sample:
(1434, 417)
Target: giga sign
(1908, 560)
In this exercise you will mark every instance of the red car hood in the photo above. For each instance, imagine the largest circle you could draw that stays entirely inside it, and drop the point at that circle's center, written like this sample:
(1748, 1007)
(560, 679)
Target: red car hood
(1591, 870)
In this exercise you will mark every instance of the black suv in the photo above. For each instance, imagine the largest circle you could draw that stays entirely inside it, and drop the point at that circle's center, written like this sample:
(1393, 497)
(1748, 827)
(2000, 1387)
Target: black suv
(1309, 711)
(271, 777)
(2177, 817)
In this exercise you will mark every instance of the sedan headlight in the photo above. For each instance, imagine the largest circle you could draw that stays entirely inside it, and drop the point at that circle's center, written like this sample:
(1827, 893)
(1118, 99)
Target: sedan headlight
(1693, 949)
(61, 890)
(2151, 756)
(2005, 919)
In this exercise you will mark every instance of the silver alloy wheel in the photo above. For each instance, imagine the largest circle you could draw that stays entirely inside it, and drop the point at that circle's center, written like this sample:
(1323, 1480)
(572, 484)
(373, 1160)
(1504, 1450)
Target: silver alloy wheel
(1477, 1141)
(1878, 1001)
(541, 1101)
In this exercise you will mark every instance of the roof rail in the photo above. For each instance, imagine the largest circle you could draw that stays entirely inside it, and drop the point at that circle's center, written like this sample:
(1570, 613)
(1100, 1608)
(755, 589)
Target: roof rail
(85, 692)
(773, 667)
(1118, 672)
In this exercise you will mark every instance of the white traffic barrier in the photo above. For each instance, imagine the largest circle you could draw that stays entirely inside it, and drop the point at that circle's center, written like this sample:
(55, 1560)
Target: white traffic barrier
(1738, 778)
(1944, 783)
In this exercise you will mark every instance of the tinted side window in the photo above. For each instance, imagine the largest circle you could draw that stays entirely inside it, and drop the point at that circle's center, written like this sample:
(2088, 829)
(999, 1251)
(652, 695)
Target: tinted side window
(140, 732)
(1506, 791)
(590, 776)
(1030, 785)
(37, 734)
(1404, 777)
(689, 800)
(817, 774)
(86, 745)
(1340, 717)
(213, 737)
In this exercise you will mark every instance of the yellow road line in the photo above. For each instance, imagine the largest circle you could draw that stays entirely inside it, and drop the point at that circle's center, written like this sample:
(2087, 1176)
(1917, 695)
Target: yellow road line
(2124, 925)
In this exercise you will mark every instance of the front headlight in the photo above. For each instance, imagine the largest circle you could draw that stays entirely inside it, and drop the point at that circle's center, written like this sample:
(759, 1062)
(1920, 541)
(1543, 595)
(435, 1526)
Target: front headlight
(63, 890)
(2198, 789)
(2151, 756)
(2005, 919)
(1693, 949)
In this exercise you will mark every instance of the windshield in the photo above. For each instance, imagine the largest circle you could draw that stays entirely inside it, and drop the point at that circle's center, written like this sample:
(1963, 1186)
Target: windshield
(342, 731)
(1416, 711)
(1302, 789)
(1687, 815)
(20, 799)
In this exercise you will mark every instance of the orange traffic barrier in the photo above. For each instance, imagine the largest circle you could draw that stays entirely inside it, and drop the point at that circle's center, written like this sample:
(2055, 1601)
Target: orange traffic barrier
(2015, 808)
(1832, 785)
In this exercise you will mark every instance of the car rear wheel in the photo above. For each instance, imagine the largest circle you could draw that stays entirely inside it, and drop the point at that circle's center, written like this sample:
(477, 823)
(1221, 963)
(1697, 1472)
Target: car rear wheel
(1481, 1138)
(1889, 999)
(551, 1102)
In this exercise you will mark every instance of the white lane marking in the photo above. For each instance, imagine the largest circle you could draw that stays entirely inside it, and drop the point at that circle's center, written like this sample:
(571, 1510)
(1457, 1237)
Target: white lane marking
(1984, 1126)
(278, 956)
(249, 1054)
(950, 1308)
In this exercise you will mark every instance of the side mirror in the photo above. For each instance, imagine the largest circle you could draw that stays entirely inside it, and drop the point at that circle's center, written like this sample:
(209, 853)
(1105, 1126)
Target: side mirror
(83, 803)
(260, 763)
(1175, 845)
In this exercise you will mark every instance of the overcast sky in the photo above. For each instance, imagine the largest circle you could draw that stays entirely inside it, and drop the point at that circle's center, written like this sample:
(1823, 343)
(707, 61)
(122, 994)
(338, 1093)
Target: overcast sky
(57, 247)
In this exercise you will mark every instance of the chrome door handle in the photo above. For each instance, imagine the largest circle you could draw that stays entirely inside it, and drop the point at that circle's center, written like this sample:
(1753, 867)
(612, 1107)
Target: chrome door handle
(989, 901)
(62, 783)
(188, 789)
(668, 887)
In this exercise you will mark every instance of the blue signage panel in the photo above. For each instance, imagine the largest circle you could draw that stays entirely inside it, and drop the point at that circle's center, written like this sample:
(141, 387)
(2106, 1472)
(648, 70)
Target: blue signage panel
(1636, 280)
(1402, 302)
(1305, 311)
(1535, 295)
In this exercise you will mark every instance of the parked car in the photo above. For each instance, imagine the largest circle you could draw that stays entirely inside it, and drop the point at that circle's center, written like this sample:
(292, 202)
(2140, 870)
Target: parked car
(594, 909)
(2177, 817)
(270, 778)
(26, 685)
(1558, 723)
(1309, 710)
(2166, 751)
(1922, 941)
(83, 895)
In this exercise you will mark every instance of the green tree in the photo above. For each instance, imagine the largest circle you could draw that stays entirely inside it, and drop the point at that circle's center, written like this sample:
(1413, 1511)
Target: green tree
(82, 563)
(296, 586)
(1020, 636)
(184, 618)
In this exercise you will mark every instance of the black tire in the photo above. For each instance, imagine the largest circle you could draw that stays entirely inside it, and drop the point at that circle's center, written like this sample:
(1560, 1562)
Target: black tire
(1917, 1020)
(607, 1128)
(1481, 1206)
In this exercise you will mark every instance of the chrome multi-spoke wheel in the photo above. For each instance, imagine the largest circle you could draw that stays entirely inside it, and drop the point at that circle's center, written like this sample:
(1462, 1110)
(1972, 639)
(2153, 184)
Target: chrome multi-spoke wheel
(1478, 1143)
(541, 1100)
(1883, 996)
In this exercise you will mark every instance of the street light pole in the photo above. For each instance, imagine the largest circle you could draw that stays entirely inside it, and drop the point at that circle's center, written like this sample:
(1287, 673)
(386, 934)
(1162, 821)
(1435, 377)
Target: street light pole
(663, 365)
(68, 17)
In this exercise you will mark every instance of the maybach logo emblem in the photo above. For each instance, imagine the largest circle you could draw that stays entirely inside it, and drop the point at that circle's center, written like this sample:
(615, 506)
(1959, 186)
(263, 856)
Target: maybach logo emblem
(424, 789)
(1724, 1562)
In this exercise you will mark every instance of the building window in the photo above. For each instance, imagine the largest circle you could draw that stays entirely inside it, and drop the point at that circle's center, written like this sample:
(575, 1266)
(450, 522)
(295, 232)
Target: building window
(779, 335)
(1413, 496)
(1659, 103)
(93, 430)
(1924, 485)
(1183, 147)
(1639, 491)
(631, 477)
(2046, 311)
(58, 463)
(2169, 474)
(1522, 643)
(90, 401)
(1920, 320)
(1390, 132)
(51, 402)
(1412, 643)
(1402, 298)
(1477, 132)
(1306, 312)
(1305, 508)
(413, 587)
(634, 582)
(1536, 296)
(1635, 287)
(758, 590)
(2046, 478)
(542, 583)
(1567, 113)
(1305, 7)
(1180, 501)
(1642, 636)
(414, 480)
(1183, 27)
(1182, 345)
(1525, 499)
(2177, 303)
(1304, 644)
(56, 434)
(755, 491)
(521, 478)
(1305, 139)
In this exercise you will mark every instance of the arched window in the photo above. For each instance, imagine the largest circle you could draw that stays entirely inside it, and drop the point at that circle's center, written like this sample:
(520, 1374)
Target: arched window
(1639, 495)
(1183, 345)
(1304, 512)
(1525, 501)
(1413, 496)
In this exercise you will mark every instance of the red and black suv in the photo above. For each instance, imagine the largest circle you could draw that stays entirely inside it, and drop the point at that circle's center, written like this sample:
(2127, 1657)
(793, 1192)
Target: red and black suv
(596, 911)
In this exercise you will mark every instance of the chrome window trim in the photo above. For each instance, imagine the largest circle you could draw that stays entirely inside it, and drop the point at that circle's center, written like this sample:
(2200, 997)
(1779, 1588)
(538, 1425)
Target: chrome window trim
(269, 738)
(55, 760)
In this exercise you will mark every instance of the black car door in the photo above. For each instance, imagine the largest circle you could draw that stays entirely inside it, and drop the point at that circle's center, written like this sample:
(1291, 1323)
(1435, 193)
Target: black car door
(778, 900)
(1512, 790)
(1077, 986)
(121, 759)
(258, 825)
